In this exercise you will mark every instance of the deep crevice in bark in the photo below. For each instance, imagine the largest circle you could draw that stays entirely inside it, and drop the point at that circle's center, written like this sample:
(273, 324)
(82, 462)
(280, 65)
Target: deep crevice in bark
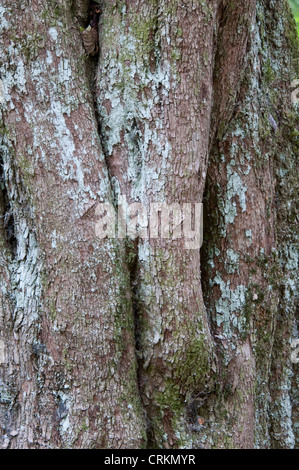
(132, 263)
(7, 222)
(92, 63)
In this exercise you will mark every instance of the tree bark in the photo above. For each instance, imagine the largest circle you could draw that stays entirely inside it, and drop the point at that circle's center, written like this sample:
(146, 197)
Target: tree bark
(135, 342)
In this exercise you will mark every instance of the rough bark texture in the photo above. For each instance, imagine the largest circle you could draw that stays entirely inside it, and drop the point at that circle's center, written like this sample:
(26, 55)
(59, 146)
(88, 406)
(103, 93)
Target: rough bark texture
(143, 343)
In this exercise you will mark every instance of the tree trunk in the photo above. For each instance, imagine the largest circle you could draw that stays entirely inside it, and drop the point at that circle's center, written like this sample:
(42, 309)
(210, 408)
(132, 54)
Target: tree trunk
(135, 341)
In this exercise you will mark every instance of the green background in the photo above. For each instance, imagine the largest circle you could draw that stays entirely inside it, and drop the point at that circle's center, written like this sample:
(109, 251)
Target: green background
(295, 7)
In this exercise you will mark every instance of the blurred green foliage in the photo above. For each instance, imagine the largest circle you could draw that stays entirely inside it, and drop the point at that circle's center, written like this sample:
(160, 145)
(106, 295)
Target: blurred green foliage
(295, 8)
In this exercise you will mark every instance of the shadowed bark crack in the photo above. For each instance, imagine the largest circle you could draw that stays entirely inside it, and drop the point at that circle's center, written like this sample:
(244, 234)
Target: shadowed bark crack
(7, 222)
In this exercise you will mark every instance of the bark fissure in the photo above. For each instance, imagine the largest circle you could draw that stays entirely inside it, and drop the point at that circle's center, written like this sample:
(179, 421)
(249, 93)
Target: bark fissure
(6, 217)
(92, 63)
